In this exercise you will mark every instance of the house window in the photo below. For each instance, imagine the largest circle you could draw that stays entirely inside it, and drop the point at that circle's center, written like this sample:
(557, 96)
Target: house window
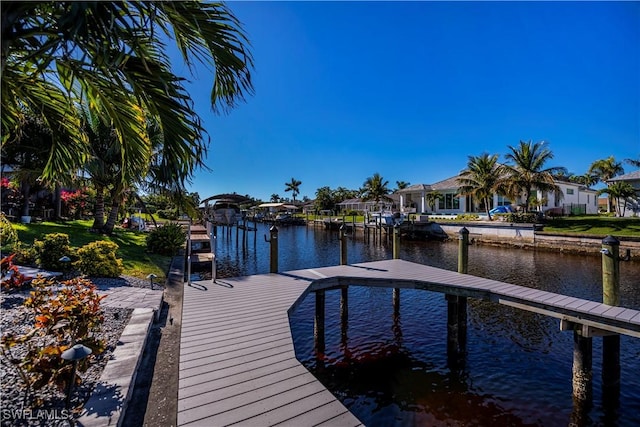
(569, 190)
(449, 201)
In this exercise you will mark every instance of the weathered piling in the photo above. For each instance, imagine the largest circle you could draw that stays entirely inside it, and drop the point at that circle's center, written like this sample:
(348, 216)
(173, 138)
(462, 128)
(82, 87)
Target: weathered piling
(463, 250)
(396, 255)
(344, 313)
(318, 323)
(582, 374)
(457, 310)
(611, 343)
(273, 249)
(396, 241)
(343, 245)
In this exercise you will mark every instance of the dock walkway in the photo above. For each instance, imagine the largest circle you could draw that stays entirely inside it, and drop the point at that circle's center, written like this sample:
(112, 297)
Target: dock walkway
(238, 364)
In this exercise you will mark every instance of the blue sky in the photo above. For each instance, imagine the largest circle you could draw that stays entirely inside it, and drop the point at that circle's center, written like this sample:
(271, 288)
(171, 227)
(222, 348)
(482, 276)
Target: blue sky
(410, 89)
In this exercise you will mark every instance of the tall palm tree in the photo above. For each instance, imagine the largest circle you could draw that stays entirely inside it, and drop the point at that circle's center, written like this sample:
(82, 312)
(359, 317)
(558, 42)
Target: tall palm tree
(294, 187)
(481, 179)
(375, 188)
(103, 164)
(111, 58)
(604, 170)
(527, 172)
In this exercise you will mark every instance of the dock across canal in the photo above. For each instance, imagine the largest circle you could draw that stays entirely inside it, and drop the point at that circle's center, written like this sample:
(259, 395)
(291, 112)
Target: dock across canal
(237, 360)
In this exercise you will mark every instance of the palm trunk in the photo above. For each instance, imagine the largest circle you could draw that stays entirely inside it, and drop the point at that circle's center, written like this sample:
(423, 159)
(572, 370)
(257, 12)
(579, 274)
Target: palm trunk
(113, 216)
(26, 190)
(98, 213)
(116, 200)
(486, 208)
(58, 201)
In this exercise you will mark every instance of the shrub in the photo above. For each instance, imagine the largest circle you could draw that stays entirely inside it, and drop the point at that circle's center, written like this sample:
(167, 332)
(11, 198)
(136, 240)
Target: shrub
(522, 217)
(25, 255)
(170, 214)
(98, 259)
(8, 236)
(166, 240)
(49, 251)
(468, 217)
(60, 319)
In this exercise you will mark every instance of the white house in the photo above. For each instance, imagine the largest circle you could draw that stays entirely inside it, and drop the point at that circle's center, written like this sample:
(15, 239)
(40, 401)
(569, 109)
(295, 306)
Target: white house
(633, 204)
(572, 198)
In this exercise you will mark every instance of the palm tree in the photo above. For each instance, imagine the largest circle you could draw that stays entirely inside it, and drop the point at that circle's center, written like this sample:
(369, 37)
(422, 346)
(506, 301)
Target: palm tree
(375, 188)
(587, 179)
(274, 198)
(432, 198)
(294, 187)
(620, 191)
(481, 179)
(104, 162)
(634, 162)
(402, 184)
(604, 170)
(527, 171)
(111, 58)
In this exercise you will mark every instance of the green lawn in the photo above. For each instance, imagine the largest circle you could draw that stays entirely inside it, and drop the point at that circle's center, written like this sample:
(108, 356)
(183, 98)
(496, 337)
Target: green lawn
(132, 244)
(595, 225)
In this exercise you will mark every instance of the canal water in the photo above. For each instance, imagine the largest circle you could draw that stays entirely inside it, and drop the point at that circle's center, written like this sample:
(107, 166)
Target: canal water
(392, 370)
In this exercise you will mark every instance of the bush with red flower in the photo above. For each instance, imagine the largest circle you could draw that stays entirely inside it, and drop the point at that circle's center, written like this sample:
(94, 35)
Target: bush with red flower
(75, 202)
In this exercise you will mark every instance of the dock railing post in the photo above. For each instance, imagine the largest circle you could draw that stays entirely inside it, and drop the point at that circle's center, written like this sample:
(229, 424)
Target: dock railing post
(273, 249)
(318, 324)
(396, 255)
(610, 343)
(396, 241)
(463, 250)
(457, 310)
(189, 253)
(343, 245)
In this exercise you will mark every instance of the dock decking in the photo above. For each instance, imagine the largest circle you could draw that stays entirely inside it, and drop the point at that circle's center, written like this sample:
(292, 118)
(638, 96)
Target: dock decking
(238, 364)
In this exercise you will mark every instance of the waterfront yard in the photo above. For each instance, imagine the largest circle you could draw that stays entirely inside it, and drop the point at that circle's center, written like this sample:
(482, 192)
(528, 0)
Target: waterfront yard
(596, 226)
(132, 244)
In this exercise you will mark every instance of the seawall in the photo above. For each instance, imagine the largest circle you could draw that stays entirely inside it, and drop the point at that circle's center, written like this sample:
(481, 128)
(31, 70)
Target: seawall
(524, 236)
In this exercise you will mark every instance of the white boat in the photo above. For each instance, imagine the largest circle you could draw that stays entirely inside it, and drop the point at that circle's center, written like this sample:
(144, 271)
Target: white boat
(224, 212)
(386, 218)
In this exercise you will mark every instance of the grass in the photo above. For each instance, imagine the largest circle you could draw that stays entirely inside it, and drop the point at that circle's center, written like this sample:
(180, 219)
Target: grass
(132, 244)
(595, 226)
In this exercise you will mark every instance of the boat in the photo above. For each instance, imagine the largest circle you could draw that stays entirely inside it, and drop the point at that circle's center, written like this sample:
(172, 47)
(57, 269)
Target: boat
(224, 212)
(385, 218)
(224, 209)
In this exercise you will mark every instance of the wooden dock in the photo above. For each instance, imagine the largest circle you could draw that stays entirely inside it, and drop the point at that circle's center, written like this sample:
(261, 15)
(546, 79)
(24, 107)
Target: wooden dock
(238, 364)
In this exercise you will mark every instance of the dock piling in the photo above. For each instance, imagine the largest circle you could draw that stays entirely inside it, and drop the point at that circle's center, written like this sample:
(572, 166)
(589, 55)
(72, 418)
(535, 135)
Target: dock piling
(457, 310)
(273, 249)
(611, 343)
(343, 245)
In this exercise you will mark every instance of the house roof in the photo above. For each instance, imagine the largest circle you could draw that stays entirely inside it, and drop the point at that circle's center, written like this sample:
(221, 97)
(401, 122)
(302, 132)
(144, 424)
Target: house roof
(415, 187)
(631, 176)
(446, 184)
